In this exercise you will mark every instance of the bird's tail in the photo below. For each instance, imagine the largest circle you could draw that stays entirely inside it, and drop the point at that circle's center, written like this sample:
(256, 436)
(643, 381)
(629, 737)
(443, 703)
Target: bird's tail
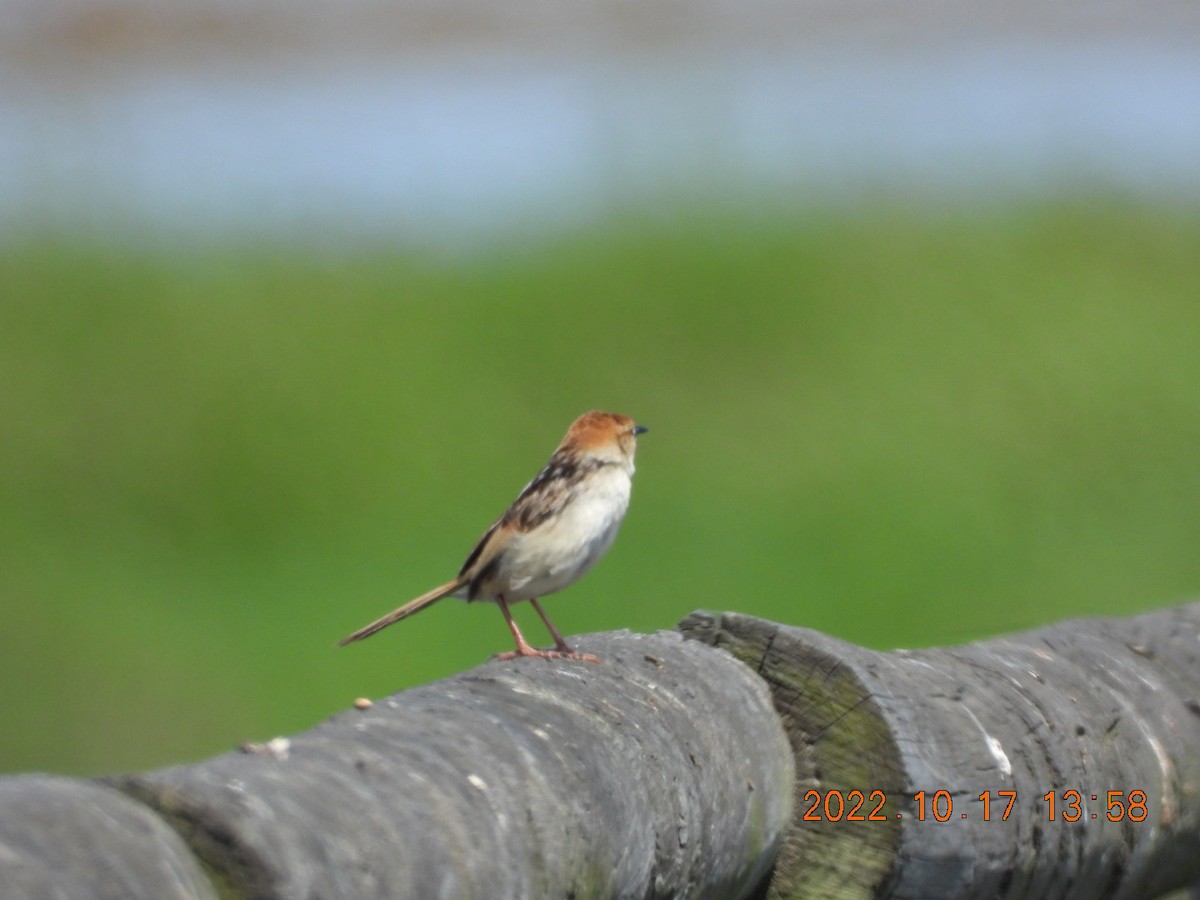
(408, 609)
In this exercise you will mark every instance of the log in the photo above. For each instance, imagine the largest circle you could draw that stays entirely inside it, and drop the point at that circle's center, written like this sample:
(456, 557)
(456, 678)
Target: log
(66, 838)
(660, 772)
(670, 770)
(1055, 718)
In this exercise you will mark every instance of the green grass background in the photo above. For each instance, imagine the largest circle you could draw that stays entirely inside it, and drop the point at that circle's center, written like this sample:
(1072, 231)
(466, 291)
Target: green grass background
(900, 426)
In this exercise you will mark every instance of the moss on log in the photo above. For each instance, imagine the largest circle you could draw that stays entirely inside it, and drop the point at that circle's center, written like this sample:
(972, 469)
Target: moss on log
(1073, 710)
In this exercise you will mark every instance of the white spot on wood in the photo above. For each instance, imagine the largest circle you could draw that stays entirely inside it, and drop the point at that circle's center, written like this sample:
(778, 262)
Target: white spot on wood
(1168, 780)
(276, 747)
(994, 747)
(279, 747)
(477, 781)
(999, 755)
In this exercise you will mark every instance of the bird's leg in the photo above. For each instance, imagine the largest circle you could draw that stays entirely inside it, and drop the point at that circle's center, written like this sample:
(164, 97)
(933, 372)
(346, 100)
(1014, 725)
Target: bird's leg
(523, 647)
(560, 643)
(562, 651)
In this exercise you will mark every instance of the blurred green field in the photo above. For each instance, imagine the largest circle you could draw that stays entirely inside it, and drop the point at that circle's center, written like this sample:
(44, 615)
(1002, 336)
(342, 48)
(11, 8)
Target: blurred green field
(900, 426)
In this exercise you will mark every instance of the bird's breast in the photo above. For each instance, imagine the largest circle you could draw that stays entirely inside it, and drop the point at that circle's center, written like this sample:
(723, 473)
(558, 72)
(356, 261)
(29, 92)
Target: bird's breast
(563, 547)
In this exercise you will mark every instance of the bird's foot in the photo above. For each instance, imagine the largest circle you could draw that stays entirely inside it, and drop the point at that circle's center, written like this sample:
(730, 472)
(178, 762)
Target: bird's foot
(562, 652)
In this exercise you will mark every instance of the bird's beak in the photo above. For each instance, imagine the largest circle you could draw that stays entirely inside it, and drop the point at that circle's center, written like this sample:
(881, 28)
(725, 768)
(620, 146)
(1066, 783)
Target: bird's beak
(639, 429)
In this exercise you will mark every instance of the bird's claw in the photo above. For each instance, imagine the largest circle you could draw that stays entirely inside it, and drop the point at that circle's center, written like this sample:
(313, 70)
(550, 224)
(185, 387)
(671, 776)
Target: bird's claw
(558, 653)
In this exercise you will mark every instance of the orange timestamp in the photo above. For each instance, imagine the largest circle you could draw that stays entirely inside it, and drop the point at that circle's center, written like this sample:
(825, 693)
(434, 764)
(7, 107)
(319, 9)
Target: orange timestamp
(1118, 806)
(834, 805)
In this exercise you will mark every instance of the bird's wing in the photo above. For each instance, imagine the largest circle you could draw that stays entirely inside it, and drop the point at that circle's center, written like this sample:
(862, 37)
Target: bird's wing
(484, 554)
(553, 488)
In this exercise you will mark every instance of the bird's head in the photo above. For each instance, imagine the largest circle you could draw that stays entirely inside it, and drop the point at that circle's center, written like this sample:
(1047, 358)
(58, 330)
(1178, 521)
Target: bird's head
(604, 435)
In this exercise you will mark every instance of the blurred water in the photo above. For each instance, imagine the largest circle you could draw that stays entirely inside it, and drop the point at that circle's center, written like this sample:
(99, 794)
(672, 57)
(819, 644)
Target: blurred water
(482, 145)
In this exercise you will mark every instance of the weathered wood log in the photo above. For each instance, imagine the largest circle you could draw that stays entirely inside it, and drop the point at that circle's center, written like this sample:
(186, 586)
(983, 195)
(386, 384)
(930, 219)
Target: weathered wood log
(1073, 711)
(660, 772)
(666, 772)
(66, 838)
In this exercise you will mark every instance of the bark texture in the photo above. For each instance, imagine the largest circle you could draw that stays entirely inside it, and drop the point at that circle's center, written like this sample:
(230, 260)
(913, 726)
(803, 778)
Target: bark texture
(660, 772)
(64, 838)
(1090, 706)
(667, 771)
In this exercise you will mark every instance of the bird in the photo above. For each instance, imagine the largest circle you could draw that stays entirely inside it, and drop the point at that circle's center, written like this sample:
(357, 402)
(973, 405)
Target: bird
(559, 526)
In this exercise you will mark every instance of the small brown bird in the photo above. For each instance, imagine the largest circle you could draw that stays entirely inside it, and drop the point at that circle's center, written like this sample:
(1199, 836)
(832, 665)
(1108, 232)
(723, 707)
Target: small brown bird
(560, 525)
